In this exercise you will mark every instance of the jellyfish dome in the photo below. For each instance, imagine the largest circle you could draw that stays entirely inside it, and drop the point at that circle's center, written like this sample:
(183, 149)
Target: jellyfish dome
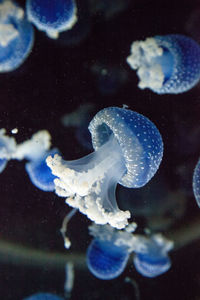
(40, 174)
(153, 260)
(52, 16)
(16, 36)
(43, 296)
(109, 251)
(167, 64)
(196, 183)
(128, 150)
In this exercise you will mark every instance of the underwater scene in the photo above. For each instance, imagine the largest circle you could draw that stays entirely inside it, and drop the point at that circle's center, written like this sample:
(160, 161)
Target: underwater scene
(99, 150)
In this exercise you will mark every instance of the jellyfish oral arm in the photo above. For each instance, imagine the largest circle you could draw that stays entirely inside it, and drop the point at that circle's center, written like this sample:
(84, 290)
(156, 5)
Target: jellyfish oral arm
(89, 183)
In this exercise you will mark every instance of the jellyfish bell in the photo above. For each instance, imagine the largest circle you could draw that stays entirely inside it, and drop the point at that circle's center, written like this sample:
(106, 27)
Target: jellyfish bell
(128, 150)
(16, 36)
(52, 16)
(167, 64)
(154, 259)
(109, 251)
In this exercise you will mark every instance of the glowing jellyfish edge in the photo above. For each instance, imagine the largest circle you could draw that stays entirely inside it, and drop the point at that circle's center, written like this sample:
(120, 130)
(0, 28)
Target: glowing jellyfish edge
(128, 150)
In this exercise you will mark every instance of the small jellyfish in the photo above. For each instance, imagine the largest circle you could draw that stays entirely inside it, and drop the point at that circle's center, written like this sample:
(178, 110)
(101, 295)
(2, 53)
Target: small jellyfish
(196, 182)
(43, 296)
(109, 251)
(128, 150)
(7, 148)
(16, 36)
(153, 260)
(167, 64)
(40, 174)
(52, 16)
(36, 150)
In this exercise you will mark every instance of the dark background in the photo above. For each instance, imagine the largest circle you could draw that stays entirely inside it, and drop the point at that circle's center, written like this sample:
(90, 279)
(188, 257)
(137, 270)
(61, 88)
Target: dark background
(58, 77)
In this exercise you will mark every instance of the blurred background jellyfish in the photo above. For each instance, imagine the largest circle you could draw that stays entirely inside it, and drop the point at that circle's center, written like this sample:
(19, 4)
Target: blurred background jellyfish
(128, 150)
(153, 260)
(7, 148)
(167, 64)
(109, 251)
(52, 16)
(43, 296)
(36, 150)
(196, 182)
(16, 36)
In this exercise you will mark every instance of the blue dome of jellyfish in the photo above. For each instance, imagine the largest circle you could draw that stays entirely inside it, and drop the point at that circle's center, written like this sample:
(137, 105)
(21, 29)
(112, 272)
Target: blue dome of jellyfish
(153, 260)
(16, 36)
(43, 296)
(40, 174)
(128, 150)
(109, 251)
(52, 16)
(196, 183)
(167, 64)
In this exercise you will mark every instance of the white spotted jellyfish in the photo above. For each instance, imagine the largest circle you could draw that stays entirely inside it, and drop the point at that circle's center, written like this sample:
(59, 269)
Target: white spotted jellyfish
(43, 296)
(153, 260)
(167, 64)
(109, 251)
(52, 16)
(196, 182)
(35, 151)
(128, 150)
(16, 36)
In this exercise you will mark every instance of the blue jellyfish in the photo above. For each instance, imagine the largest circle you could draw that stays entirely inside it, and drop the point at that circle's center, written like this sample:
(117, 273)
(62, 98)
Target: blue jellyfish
(7, 148)
(35, 151)
(40, 174)
(52, 16)
(43, 296)
(128, 150)
(167, 64)
(109, 251)
(16, 36)
(196, 182)
(153, 260)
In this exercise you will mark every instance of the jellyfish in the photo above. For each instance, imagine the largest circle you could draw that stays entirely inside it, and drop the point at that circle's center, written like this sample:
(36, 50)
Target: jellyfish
(128, 150)
(35, 151)
(167, 64)
(7, 148)
(16, 36)
(109, 251)
(153, 260)
(196, 183)
(43, 296)
(52, 16)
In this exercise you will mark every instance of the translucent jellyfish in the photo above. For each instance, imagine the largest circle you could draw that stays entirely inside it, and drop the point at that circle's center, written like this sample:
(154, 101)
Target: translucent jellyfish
(52, 16)
(153, 260)
(36, 151)
(196, 183)
(43, 296)
(128, 150)
(166, 64)
(7, 148)
(109, 251)
(16, 36)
